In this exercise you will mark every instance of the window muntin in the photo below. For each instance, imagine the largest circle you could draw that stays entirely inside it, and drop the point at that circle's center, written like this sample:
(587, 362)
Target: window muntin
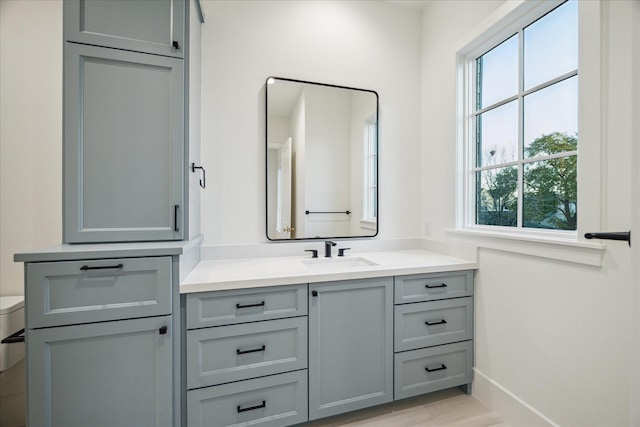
(526, 144)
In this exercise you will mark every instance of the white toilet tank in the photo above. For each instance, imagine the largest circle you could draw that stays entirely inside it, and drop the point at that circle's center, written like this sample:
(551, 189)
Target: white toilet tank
(11, 321)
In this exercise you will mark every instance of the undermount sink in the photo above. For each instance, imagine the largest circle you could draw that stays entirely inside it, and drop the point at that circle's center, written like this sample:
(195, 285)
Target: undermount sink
(338, 263)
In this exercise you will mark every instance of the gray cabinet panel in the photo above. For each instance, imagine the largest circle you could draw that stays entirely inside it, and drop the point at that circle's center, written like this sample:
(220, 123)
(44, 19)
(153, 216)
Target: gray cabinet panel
(137, 25)
(433, 368)
(238, 352)
(432, 323)
(350, 345)
(274, 401)
(429, 287)
(245, 305)
(63, 293)
(104, 374)
(123, 146)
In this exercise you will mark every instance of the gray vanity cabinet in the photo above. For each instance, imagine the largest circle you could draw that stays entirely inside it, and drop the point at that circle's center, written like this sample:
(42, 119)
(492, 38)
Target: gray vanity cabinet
(350, 345)
(246, 357)
(155, 27)
(123, 145)
(433, 332)
(100, 342)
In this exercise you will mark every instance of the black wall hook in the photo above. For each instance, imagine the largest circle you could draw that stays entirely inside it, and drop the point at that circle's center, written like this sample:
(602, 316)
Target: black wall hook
(204, 174)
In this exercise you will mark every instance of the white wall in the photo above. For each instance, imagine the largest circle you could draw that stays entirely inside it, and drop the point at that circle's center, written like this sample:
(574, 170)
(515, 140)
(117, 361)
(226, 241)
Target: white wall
(30, 132)
(327, 142)
(553, 339)
(366, 44)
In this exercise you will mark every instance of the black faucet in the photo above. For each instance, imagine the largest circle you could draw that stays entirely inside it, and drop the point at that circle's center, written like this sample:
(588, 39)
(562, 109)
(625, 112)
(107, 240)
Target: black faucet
(327, 248)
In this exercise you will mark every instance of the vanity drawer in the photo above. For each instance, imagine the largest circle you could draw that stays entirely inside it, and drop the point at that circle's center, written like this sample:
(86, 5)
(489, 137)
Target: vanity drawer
(245, 305)
(275, 401)
(432, 369)
(432, 323)
(72, 292)
(238, 352)
(428, 287)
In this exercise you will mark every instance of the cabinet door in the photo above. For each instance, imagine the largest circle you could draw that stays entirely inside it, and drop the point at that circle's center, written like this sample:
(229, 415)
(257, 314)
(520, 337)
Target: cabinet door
(123, 146)
(103, 374)
(137, 25)
(350, 345)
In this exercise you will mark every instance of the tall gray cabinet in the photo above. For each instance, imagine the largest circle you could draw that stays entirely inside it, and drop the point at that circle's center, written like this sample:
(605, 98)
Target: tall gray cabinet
(102, 314)
(124, 127)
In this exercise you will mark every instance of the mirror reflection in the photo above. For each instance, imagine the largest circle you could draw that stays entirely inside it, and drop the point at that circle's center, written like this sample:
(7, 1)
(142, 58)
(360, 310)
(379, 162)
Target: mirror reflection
(322, 160)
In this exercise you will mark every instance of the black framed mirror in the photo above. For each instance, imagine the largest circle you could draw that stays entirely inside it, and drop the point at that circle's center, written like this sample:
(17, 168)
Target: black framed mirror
(321, 160)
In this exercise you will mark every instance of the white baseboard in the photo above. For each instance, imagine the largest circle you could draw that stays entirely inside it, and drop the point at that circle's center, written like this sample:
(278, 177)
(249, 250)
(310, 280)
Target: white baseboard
(509, 407)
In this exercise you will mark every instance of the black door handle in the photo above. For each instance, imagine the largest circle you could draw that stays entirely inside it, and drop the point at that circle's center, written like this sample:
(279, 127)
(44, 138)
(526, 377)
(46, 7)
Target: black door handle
(617, 235)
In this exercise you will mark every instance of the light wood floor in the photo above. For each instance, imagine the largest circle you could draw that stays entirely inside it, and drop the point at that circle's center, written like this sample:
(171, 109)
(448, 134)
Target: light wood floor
(446, 408)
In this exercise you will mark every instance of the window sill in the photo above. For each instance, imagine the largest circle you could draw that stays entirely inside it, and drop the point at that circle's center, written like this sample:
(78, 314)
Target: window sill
(566, 249)
(368, 224)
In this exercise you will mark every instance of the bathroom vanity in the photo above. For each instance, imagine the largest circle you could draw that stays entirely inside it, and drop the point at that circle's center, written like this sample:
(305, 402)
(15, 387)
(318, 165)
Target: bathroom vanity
(281, 341)
(145, 333)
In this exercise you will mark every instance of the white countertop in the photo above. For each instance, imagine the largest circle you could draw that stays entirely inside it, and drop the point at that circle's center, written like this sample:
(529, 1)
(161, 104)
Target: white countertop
(77, 251)
(272, 271)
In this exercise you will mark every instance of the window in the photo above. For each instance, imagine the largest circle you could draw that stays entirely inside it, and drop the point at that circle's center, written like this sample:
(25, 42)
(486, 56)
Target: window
(370, 158)
(522, 126)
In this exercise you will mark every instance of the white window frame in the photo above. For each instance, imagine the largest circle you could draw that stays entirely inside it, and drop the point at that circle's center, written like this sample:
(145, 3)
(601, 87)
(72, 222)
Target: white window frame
(369, 167)
(557, 244)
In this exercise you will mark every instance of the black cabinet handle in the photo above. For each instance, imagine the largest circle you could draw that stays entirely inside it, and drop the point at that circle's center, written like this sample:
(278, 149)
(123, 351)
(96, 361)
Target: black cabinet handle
(250, 305)
(176, 225)
(162, 330)
(175, 45)
(616, 235)
(437, 322)
(255, 350)
(14, 338)
(440, 368)
(251, 408)
(101, 267)
(314, 293)
(441, 285)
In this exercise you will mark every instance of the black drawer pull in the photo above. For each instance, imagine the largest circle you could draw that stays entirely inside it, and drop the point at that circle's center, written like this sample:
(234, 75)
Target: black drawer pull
(440, 368)
(251, 408)
(314, 293)
(163, 330)
(103, 267)
(250, 305)
(14, 338)
(436, 322)
(255, 350)
(441, 285)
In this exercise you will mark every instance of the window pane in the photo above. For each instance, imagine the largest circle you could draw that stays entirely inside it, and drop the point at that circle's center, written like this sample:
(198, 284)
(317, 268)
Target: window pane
(497, 135)
(550, 194)
(497, 73)
(551, 45)
(551, 111)
(497, 197)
